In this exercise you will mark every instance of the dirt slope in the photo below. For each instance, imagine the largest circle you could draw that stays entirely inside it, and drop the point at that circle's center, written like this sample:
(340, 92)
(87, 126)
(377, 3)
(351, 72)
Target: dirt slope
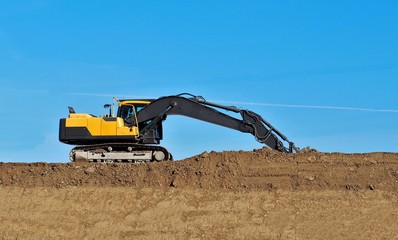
(230, 195)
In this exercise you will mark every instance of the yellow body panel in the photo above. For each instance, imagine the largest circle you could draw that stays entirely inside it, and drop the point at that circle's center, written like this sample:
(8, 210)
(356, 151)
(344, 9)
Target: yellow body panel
(97, 126)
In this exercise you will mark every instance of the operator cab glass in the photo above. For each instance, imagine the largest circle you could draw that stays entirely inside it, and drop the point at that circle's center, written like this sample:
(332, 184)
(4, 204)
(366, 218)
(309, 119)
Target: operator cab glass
(128, 110)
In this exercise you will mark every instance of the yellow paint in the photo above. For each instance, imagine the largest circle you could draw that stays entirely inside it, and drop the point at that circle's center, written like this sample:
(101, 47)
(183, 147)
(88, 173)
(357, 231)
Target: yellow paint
(97, 126)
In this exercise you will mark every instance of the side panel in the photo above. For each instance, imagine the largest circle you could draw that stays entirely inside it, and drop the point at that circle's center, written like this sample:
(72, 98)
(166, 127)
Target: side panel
(93, 125)
(108, 127)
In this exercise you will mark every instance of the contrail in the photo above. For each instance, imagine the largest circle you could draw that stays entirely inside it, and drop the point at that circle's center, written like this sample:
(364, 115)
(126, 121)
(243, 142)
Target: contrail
(310, 106)
(256, 103)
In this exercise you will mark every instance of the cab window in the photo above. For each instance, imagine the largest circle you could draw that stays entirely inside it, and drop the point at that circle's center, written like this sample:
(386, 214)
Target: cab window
(126, 111)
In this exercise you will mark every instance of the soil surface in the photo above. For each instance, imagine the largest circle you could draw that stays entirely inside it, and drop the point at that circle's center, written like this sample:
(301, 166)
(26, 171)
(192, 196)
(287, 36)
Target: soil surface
(261, 194)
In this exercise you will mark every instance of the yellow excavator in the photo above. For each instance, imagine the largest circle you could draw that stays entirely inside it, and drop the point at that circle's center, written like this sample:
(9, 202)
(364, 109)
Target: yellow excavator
(133, 134)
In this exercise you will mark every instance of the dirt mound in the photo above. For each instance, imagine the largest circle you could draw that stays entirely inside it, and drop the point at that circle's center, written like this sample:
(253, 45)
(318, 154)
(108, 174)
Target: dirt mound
(261, 169)
(261, 194)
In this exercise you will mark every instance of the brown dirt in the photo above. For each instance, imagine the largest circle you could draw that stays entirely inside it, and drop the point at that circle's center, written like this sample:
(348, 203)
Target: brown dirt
(261, 194)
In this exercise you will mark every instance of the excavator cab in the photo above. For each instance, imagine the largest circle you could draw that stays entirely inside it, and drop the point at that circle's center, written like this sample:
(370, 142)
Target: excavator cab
(128, 113)
(129, 110)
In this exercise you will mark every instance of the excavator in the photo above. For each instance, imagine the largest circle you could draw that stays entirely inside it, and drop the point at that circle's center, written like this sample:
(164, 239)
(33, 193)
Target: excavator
(133, 134)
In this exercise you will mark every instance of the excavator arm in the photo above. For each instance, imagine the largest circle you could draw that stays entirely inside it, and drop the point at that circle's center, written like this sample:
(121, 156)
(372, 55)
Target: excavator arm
(198, 108)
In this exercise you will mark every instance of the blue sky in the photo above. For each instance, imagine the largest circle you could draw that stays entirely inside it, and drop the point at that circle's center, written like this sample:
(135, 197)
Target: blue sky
(289, 61)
